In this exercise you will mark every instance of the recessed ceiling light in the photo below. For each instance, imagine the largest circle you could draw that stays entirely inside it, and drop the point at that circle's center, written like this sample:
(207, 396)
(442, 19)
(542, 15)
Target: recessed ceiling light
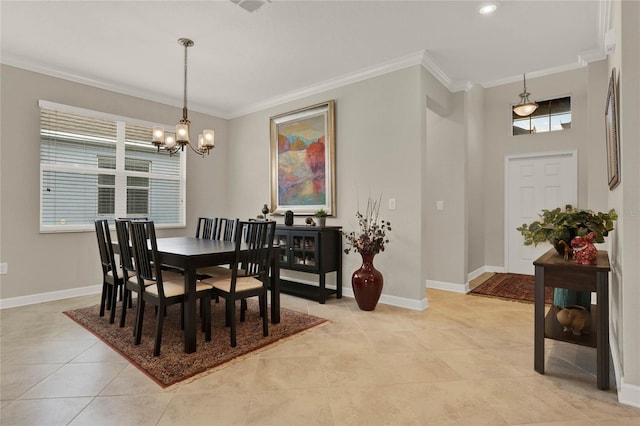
(487, 8)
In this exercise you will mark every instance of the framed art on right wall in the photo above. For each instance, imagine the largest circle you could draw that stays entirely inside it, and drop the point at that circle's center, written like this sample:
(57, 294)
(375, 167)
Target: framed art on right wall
(613, 137)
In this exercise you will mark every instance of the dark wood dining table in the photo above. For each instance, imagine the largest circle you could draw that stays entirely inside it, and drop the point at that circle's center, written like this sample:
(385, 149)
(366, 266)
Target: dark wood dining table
(189, 254)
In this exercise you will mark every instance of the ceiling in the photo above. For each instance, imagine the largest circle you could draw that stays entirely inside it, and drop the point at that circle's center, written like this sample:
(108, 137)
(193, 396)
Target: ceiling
(246, 61)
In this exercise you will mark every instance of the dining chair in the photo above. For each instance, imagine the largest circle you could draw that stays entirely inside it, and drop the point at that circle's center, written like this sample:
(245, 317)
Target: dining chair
(224, 230)
(128, 270)
(249, 273)
(111, 281)
(206, 227)
(158, 287)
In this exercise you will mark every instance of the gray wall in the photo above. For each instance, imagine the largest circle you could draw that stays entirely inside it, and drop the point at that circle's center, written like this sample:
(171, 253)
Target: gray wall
(70, 260)
(586, 136)
(625, 250)
(378, 124)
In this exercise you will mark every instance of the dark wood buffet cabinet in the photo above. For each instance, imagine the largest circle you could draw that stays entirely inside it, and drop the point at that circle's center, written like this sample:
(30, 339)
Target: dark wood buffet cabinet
(312, 249)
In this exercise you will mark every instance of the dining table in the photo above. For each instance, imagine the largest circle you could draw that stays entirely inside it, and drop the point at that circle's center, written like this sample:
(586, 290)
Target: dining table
(189, 254)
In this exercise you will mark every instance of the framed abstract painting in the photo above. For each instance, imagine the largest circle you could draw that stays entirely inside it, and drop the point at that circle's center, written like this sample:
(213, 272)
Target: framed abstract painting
(613, 138)
(303, 160)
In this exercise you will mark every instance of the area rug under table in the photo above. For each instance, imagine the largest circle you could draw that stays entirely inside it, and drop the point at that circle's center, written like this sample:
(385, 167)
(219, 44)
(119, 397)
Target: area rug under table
(174, 365)
(517, 287)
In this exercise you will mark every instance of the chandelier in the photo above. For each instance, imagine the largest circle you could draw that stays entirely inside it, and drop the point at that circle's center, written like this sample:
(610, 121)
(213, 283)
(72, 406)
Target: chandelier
(525, 107)
(174, 144)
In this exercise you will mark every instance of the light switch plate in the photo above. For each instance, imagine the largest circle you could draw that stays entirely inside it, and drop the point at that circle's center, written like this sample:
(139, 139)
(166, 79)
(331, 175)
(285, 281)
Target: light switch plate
(440, 205)
(4, 268)
(392, 203)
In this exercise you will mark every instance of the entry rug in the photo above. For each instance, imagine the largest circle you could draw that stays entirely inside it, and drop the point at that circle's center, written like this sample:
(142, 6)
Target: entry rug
(516, 287)
(174, 365)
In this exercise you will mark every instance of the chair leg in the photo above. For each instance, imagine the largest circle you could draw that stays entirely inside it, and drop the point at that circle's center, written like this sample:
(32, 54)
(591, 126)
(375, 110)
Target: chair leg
(265, 319)
(103, 298)
(114, 300)
(126, 299)
(207, 319)
(139, 320)
(243, 309)
(231, 311)
(159, 324)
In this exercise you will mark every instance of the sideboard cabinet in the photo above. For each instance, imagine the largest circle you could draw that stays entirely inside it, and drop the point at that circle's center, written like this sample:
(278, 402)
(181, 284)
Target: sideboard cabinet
(312, 249)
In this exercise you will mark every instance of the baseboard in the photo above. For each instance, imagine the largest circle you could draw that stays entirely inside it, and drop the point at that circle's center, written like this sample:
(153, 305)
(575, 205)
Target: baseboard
(32, 299)
(454, 287)
(401, 302)
(628, 394)
(486, 268)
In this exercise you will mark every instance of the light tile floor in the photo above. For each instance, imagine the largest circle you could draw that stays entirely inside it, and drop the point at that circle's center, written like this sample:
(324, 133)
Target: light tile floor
(467, 360)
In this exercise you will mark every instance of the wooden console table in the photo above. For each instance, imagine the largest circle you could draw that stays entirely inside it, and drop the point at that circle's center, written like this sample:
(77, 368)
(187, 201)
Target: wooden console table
(553, 271)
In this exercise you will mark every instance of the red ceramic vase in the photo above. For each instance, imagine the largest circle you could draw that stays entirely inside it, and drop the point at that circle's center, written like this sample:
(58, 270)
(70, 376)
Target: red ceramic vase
(367, 283)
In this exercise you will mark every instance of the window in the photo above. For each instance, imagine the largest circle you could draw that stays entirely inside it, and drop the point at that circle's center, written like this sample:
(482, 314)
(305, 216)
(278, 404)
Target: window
(551, 115)
(96, 165)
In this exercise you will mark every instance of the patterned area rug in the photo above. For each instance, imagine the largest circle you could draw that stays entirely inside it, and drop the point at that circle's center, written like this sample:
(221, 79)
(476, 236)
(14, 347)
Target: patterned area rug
(174, 365)
(516, 287)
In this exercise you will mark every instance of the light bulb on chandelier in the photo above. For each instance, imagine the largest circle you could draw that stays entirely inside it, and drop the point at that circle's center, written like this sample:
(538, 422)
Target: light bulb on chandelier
(206, 140)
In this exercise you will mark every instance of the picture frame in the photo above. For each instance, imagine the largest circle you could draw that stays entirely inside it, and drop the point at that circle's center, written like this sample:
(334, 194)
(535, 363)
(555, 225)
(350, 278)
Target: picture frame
(303, 160)
(612, 134)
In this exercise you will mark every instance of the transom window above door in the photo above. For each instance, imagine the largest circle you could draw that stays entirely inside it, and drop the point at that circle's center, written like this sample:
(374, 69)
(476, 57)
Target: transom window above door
(550, 116)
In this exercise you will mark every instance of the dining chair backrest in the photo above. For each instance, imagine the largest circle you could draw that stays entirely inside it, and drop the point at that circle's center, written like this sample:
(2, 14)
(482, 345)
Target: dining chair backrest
(206, 227)
(107, 257)
(145, 253)
(253, 250)
(126, 254)
(226, 229)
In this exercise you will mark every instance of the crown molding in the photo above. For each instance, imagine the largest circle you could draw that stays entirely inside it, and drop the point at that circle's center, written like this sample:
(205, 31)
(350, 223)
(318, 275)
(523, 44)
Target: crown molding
(364, 74)
(107, 85)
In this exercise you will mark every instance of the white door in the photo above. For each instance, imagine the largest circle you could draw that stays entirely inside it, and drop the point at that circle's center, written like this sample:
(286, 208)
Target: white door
(533, 183)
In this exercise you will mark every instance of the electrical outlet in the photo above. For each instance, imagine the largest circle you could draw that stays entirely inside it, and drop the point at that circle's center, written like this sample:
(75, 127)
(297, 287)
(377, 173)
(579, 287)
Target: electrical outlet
(440, 206)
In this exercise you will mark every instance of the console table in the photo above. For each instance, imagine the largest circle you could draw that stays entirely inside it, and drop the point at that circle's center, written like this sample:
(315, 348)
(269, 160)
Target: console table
(551, 270)
(313, 249)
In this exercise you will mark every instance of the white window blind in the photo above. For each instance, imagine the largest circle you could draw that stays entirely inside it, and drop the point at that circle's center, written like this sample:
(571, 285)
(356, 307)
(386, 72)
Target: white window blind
(95, 165)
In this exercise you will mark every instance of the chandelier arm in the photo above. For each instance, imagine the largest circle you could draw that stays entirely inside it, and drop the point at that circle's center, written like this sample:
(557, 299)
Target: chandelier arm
(197, 150)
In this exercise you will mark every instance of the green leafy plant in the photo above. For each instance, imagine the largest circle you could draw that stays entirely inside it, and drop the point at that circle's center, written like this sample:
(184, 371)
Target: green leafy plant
(564, 225)
(321, 213)
(371, 238)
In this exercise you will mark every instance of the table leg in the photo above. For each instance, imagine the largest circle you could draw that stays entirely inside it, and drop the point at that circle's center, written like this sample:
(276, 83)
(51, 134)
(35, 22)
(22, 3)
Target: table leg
(190, 310)
(538, 357)
(602, 328)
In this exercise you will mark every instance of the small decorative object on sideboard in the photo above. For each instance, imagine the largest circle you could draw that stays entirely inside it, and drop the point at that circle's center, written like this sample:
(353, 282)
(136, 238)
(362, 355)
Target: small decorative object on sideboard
(370, 240)
(265, 211)
(321, 216)
(288, 218)
(309, 221)
(584, 251)
(575, 319)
